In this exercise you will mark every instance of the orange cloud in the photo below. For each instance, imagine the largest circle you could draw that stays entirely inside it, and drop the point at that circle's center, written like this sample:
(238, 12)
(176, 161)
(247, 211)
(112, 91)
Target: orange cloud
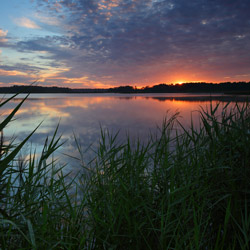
(85, 82)
(51, 73)
(11, 73)
(108, 4)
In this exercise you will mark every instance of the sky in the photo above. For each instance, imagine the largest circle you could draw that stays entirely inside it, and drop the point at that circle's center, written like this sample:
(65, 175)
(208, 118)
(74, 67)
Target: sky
(106, 43)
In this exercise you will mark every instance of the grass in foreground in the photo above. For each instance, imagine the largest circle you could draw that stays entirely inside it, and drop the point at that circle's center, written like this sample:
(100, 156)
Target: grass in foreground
(195, 196)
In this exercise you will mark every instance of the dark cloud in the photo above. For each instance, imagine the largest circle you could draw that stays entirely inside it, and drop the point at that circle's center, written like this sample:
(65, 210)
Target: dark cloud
(47, 44)
(21, 67)
(135, 29)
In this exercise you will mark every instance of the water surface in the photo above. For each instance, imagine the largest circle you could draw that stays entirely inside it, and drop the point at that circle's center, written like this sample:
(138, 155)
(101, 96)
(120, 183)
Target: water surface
(84, 115)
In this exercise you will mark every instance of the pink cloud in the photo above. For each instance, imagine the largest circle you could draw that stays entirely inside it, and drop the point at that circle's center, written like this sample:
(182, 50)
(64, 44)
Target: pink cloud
(26, 23)
(3, 34)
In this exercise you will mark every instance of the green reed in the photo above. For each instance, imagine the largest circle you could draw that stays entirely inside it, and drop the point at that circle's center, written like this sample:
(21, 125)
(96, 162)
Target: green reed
(183, 189)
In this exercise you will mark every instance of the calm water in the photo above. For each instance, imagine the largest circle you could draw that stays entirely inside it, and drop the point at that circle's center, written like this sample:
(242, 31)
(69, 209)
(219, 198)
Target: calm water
(136, 115)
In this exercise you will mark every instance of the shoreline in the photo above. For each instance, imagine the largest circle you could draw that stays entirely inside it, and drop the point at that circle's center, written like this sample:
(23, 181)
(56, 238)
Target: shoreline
(202, 97)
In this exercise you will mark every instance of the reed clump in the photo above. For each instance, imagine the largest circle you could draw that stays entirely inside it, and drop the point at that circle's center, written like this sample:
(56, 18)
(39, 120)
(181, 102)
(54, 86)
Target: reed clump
(183, 189)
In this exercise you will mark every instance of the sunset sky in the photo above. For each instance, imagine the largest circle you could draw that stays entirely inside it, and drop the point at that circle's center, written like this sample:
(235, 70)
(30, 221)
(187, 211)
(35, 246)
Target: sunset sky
(105, 43)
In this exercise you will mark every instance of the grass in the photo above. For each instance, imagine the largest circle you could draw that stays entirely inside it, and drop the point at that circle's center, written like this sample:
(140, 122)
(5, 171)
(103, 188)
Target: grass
(185, 189)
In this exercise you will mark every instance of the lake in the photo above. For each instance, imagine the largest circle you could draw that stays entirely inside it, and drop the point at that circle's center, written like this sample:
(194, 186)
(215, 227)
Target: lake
(85, 114)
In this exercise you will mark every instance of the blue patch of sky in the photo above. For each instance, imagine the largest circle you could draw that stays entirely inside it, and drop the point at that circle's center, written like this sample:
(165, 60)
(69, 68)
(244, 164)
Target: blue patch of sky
(10, 14)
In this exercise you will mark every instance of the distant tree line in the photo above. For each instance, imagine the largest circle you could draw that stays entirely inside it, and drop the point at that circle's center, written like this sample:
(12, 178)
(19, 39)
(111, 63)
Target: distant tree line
(41, 89)
(202, 87)
(224, 87)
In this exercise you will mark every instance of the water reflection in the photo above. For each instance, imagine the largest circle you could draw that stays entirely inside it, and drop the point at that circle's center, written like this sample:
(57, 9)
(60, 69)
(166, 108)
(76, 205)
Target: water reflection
(136, 115)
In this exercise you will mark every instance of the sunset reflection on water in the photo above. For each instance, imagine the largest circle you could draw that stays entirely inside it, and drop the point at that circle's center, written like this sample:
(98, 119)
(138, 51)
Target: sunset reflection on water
(84, 115)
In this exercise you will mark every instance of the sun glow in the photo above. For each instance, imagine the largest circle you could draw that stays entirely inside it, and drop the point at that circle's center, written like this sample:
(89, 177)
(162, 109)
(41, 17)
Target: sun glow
(179, 82)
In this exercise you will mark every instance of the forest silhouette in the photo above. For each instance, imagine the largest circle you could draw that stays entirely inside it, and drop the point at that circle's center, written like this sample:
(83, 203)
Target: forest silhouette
(197, 87)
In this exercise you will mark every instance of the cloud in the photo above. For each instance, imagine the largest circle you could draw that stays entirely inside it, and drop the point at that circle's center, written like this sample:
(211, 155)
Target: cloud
(144, 30)
(10, 77)
(49, 20)
(142, 41)
(26, 23)
(82, 81)
(11, 73)
(3, 34)
(21, 68)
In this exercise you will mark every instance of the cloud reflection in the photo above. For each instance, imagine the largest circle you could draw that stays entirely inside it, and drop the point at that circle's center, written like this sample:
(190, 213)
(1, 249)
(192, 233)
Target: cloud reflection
(85, 114)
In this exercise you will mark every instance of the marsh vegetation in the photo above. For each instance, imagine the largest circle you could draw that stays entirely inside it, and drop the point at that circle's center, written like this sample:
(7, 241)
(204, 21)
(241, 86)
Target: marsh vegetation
(183, 189)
